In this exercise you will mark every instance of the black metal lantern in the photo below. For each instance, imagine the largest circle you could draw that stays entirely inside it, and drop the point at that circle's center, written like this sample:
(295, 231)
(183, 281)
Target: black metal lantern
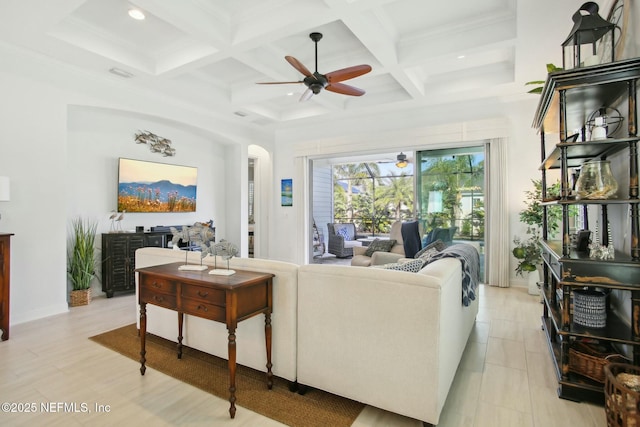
(590, 41)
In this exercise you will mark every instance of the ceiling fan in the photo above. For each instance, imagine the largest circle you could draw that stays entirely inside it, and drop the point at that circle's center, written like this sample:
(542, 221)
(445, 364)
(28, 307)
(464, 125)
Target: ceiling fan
(315, 81)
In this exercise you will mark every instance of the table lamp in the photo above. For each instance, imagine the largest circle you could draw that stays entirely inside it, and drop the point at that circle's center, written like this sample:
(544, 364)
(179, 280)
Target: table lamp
(5, 194)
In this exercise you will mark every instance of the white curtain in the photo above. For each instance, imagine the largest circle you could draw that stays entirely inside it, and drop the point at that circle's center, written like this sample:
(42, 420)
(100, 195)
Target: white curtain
(497, 237)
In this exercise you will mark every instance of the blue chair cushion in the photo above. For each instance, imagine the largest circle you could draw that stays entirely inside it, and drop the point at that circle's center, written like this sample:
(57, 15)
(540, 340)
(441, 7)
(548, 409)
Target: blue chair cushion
(344, 232)
(444, 234)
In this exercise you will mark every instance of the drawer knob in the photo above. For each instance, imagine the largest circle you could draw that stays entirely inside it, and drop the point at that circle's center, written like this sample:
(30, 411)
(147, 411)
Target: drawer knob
(203, 308)
(156, 285)
(203, 294)
(158, 298)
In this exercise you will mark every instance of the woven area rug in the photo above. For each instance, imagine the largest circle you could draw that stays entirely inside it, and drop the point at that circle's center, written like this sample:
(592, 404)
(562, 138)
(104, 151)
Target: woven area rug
(210, 373)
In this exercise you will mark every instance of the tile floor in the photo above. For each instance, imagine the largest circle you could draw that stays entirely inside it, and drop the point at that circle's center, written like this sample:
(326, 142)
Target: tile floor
(505, 377)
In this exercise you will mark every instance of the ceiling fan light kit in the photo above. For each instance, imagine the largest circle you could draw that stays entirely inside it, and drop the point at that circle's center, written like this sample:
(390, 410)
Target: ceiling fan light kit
(315, 81)
(402, 160)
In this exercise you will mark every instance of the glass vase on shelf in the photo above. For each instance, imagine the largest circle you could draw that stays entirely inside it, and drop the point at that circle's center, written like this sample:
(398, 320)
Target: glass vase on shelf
(596, 182)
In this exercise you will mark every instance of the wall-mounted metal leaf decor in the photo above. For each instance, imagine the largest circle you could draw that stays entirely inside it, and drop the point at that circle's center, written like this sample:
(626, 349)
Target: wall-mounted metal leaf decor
(157, 144)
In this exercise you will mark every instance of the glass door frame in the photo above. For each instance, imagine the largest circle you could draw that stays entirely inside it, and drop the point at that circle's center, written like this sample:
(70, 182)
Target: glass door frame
(466, 212)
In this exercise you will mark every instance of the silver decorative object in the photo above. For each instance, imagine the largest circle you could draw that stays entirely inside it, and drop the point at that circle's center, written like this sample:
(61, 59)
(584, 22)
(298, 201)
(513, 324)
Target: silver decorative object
(200, 234)
(116, 221)
(226, 250)
(157, 144)
(113, 217)
(598, 251)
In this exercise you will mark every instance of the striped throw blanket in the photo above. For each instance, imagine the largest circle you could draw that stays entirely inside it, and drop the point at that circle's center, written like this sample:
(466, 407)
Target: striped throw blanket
(470, 259)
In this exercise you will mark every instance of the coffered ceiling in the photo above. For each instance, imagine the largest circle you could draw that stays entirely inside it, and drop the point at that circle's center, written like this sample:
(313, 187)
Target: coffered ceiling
(209, 54)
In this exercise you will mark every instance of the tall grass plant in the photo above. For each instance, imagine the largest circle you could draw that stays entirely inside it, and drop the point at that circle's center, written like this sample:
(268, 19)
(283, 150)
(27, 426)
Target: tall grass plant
(81, 256)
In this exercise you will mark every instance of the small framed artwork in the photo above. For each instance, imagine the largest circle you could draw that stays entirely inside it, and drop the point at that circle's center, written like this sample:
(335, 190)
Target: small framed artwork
(286, 192)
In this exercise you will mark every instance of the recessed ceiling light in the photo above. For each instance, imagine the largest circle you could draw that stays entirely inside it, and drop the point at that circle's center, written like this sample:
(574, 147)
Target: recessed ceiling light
(136, 14)
(460, 56)
(289, 93)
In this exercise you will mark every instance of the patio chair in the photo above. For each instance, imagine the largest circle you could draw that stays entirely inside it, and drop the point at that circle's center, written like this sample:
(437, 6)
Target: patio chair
(342, 238)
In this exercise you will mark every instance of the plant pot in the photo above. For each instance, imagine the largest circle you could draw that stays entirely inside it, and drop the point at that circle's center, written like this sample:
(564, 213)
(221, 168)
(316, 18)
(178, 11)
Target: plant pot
(80, 297)
(532, 278)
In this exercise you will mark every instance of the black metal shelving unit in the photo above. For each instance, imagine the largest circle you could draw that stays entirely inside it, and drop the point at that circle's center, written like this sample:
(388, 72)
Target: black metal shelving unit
(567, 99)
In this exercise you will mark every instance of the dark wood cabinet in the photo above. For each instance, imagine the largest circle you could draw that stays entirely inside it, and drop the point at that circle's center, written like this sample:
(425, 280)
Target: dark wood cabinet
(118, 258)
(5, 276)
(567, 100)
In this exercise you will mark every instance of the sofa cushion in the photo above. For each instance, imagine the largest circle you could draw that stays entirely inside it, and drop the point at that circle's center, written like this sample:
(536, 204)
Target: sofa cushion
(380, 245)
(426, 255)
(438, 244)
(412, 266)
(352, 243)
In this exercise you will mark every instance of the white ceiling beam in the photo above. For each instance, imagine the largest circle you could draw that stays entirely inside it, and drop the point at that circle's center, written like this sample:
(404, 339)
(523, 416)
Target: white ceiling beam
(197, 19)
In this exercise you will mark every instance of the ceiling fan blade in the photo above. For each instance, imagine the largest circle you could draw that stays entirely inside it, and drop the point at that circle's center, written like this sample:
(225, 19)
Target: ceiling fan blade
(347, 73)
(277, 83)
(344, 89)
(298, 66)
(306, 95)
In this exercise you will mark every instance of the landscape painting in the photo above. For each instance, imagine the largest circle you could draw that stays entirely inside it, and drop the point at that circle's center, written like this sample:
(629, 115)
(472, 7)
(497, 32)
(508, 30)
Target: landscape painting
(156, 187)
(286, 192)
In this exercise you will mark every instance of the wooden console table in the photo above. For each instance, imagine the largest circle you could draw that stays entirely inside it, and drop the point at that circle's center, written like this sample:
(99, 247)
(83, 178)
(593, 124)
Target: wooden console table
(5, 276)
(225, 299)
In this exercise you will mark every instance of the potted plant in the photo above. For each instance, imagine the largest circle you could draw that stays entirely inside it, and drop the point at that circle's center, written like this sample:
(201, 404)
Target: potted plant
(532, 214)
(540, 83)
(528, 254)
(81, 260)
(527, 250)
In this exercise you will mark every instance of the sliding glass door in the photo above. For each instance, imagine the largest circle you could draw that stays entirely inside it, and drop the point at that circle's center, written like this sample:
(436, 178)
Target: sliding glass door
(450, 193)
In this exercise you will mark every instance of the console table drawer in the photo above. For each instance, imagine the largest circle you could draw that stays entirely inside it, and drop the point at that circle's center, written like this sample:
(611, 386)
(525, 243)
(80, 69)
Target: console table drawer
(155, 298)
(203, 309)
(156, 284)
(204, 294)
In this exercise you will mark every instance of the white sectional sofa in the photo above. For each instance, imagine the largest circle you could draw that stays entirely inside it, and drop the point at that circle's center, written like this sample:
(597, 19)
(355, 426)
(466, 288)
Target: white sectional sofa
(212, 337)
(386, 338)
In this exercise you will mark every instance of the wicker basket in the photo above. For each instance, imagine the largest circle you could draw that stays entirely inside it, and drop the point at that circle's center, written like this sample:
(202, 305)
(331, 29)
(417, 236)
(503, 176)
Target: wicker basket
(80, 297)
(590, 360)
(622, 395)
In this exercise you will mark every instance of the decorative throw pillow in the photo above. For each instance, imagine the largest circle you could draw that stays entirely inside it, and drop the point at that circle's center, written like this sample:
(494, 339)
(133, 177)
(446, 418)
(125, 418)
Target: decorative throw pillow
(438, 244)
(413, 266)
(380, 245)
(342, 231)
(428, 254)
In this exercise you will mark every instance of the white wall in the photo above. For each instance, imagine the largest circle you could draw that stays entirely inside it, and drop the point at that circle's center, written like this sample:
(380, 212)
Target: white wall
(97, 137)
(33, 155)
